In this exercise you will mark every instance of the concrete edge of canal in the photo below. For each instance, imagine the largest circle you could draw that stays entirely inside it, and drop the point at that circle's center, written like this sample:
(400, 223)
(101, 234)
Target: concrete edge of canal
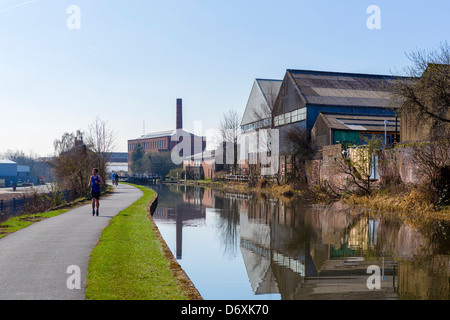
(180, 275)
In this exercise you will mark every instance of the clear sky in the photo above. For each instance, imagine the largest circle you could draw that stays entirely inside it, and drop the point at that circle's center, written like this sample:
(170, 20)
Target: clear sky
(130, 60)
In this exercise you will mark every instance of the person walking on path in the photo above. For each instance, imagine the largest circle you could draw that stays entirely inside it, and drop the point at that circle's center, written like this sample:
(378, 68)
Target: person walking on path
(94, 183)
(116, 179)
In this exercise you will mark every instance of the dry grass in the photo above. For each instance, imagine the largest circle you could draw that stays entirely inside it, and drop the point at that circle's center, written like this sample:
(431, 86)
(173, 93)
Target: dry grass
(410, 204)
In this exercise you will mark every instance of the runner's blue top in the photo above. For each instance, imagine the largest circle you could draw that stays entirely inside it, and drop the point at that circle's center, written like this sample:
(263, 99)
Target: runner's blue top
(95, 184)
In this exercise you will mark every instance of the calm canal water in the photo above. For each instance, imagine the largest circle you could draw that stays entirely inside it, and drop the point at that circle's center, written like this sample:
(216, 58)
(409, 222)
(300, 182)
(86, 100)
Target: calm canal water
(235, 247)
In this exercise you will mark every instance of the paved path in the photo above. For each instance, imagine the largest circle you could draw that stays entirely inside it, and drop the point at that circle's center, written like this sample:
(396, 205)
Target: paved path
(34, 261)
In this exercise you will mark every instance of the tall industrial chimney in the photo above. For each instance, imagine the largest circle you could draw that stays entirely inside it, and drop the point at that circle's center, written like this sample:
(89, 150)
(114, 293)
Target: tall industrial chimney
(179, 114)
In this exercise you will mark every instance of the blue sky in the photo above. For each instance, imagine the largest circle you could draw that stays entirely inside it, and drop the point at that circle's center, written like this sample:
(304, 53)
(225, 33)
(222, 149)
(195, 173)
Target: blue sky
(131, 60)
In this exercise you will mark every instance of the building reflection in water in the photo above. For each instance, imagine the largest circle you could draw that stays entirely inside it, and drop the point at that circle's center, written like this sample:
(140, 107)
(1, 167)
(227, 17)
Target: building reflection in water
(306, 251)
(183, 206)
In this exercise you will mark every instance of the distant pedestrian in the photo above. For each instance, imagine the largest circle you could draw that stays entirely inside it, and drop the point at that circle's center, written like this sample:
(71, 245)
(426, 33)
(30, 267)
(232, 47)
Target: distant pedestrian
(95, 182)
(116, 179)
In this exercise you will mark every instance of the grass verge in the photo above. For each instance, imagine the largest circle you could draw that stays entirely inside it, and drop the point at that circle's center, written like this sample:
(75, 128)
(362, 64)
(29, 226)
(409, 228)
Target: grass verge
(16, 223)
(129, 263)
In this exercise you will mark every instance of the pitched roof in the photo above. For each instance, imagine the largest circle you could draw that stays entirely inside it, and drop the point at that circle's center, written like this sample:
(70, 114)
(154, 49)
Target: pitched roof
(162, 134)
(260, 102)
(342, 89)
(360, 122)
(4, 161)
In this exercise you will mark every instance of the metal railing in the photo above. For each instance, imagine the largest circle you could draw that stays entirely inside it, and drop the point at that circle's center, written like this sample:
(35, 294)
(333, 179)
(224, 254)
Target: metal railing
(12, 207)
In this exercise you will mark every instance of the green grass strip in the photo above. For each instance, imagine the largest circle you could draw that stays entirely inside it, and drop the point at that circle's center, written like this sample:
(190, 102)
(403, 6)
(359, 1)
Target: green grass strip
(17, 223)
(129, 263)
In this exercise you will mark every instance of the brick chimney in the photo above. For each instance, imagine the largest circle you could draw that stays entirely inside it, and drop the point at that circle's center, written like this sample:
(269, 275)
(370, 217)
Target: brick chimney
(179, 114)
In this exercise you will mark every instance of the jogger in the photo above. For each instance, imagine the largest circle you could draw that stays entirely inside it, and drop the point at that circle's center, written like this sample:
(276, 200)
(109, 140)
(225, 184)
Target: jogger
(94, 183)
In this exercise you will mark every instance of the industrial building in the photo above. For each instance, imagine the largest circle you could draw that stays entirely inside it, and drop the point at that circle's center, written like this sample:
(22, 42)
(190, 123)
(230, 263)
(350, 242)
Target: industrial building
(351, 130)
(13, 174)
(297, 101)
(166, 141)
(305, 94)
(258, 115)
(258, 112)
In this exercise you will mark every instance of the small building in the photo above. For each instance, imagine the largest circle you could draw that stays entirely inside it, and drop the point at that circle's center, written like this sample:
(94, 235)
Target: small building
(203, 165)
(11, 173)
(8, 173)
(352, 129)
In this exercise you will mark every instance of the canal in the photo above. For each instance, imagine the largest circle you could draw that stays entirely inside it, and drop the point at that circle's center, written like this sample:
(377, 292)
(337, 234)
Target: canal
(236, 247)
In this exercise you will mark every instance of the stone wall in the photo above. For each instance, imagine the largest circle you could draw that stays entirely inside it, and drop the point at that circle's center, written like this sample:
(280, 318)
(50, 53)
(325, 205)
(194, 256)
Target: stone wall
(326, 171)
(395, 165)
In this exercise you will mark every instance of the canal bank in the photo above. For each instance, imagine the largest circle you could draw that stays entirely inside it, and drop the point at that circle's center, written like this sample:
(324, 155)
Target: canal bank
(183, 280)
(179, 274)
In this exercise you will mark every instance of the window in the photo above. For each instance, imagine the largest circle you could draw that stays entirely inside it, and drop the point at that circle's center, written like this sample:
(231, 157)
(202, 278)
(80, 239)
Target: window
(290, 117)
(256, 125)
(287, 118)
(302, 114)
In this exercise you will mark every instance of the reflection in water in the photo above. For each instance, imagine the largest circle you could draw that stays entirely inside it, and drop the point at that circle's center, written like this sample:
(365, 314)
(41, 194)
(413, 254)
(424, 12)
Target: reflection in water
(294, 250)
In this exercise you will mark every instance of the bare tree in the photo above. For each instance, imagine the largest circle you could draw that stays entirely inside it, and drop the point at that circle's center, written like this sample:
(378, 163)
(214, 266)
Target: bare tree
(76, 154)
(101, 139)
(266, 110)
(425, 100)
(433, 164)
(230, 130)
(298, 145)
(67, 142)
(427, 93)
(264, 133)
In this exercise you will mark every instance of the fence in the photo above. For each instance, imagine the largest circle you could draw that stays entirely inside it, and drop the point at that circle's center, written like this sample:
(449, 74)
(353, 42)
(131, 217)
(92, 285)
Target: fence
(15, 206)
(10, 208)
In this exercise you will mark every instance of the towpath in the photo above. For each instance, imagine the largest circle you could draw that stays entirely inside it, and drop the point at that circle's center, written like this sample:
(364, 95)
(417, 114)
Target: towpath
(41, 262)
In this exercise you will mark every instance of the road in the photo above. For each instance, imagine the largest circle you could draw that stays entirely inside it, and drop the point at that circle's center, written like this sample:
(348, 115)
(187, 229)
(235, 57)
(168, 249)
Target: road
(6, 193)
(41, 262)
